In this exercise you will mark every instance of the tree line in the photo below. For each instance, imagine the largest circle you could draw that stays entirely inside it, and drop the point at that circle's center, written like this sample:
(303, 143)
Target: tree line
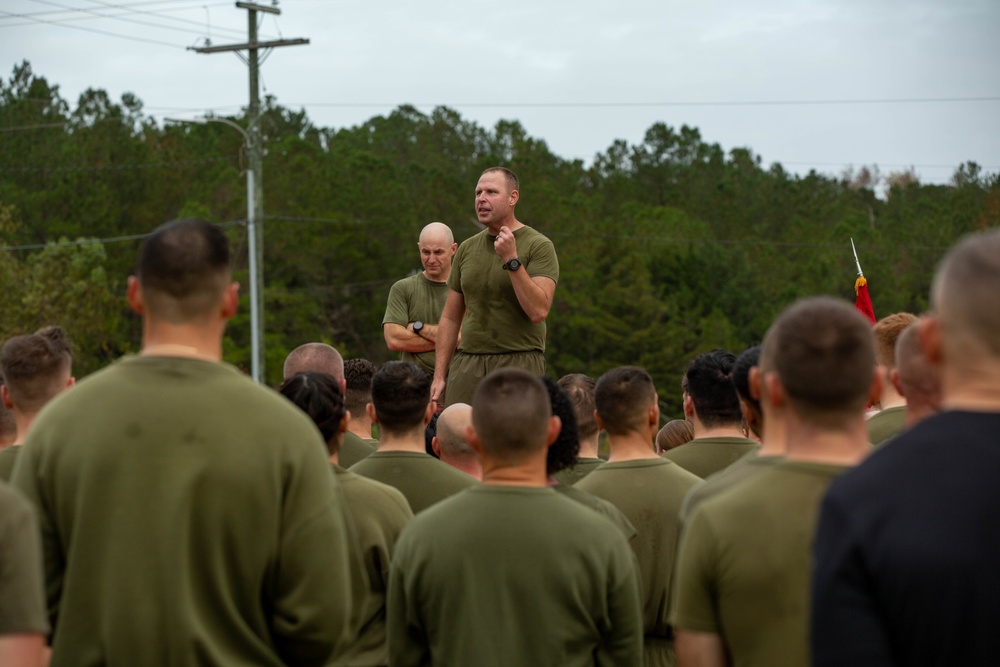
(668, 247)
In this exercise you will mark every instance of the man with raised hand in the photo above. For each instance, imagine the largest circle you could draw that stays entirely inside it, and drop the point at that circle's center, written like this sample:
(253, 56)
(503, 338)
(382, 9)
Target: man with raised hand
(415, 303)
(187, 514)
(907, 546)
(499, 294)
(510, 572)
(742, 574)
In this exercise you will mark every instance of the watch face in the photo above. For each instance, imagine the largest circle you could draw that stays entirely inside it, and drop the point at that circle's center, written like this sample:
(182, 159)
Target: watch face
(418, 325)
(514, 264)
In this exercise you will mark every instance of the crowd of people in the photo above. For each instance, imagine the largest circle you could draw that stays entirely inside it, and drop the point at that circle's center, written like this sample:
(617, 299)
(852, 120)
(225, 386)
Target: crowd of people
(828, 497)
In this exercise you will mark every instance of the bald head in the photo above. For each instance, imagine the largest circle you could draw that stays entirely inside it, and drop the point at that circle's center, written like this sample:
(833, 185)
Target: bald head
(316, 357)
(965, 299)
(436, 232)
(451, 427)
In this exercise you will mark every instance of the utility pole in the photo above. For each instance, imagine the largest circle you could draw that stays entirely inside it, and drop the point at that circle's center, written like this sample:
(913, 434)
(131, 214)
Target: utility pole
(255, 190)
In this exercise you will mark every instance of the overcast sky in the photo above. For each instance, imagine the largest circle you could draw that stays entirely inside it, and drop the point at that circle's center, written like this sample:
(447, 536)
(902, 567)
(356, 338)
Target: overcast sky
(576, 74)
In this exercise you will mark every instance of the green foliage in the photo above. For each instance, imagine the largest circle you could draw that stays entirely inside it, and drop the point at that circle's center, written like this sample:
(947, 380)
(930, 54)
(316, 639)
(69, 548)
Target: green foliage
(668, 248)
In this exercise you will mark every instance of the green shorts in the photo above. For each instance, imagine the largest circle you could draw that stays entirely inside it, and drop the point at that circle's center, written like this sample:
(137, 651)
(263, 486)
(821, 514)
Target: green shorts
(466, 370)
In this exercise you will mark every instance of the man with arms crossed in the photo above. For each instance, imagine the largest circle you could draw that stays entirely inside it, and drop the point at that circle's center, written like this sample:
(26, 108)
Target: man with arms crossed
(415, 303)
(743, 566)
(907, 546)
(188, 516)
(510, 572)
(500, 292)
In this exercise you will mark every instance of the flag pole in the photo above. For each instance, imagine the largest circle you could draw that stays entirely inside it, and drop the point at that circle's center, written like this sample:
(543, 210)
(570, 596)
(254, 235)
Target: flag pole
(856, 262)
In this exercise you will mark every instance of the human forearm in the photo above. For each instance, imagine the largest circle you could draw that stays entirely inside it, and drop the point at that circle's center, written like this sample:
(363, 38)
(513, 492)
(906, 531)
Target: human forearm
(403, 339)
(533, 294)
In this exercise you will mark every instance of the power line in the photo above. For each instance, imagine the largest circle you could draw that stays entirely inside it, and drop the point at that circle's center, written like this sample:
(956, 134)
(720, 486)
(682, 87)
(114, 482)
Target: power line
(104, 32)
(114, 167)
(104, 241)
(703, 103)
(189, 4)
(97, 14)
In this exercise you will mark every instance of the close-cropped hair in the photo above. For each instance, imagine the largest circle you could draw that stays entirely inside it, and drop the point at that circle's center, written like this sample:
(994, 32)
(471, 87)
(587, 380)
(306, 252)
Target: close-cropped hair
(886, 332)
(401, 392)
(709, 382)
(510, 412)
(824, 355)
(318, 357)
(318, 395)
(184, 268)
(965, 297)
(565, 451)
(580, 389)
(36, 366)
(358, 374)
(509, 176)
(748, 358)
(623, 396)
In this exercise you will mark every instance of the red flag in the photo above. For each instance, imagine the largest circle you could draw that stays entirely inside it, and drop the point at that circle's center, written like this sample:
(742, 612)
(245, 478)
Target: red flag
(863, 302)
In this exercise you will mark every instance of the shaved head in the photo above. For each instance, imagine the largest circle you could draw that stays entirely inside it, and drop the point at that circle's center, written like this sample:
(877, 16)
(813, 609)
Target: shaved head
(965, 298)
(451, 426)
(317, 357)
(918, 378)
(436, 232)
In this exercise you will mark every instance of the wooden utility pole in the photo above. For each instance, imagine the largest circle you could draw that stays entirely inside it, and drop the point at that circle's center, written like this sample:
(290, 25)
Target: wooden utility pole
(255, 190)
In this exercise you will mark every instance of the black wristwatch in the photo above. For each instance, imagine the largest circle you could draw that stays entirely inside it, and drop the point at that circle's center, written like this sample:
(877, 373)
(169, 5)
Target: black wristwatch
(418, 326)
(512, 265)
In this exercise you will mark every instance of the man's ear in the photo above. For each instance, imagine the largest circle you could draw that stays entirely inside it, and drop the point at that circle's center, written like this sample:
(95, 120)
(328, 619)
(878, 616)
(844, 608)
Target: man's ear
(688, 406)
(344, 421)
(5, 397)
(754, 383)
(894, 378)
(370, 410)
(514, 196)
(230, 301)
(435, 446)
(774, 393)
(654, 415)
(555, 427)
(875, 394)
(429, 412)
(473, 440)
(929, 335)
(133, 294)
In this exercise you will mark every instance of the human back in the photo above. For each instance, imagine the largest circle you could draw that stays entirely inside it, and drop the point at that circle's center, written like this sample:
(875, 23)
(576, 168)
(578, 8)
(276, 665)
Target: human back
(193, 519)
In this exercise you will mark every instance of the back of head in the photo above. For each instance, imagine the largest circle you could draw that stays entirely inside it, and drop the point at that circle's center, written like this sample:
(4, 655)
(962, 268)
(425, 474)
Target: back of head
(318, 395)
(674, 433)
(184, 270)
(886, 332)
(565, 451)
(623, 396)
(708, 381)
(965, 299)
(451, 425)
(358, 374)
(580, 390)
(36, 367)
(401, 392)
(823, 353)
(510, 413)
(318, 357)
(749, 358)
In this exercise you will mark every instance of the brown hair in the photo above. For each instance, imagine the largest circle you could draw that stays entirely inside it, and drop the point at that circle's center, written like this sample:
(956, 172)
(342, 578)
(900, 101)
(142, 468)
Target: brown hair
(36, 367)
(510, 413)
(622, 396)
(886, 333)
(674, 433)
(580, 389)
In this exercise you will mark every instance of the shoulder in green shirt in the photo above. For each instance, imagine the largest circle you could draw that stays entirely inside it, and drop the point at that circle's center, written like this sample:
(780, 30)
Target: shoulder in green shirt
(423, 479)
(706, 456)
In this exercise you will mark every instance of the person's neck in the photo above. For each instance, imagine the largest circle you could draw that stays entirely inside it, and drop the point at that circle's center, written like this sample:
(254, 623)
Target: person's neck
(972, 391)
(511, 223)
(589, 448)
(916, 412)
(361, 428)
(632, 446)
(727, 431)
(470, 466)
(811, 443)
(527, 472)
(401, 442)
(171, 340)
(442, 279)
(890, 398)
(773, 439)
(23, 423)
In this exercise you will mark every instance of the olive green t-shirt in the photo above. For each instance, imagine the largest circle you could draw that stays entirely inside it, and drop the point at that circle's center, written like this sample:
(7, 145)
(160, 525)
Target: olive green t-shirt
(650, 493)
(501, 576)
(706, 456)
(885, 424)
(494, 320)
(188, 516)
(22, 589)
(416, 298)
(379, 513)
(573, 474)
(353, 449)
(744, 564)
(423, 479)
(725, 479)
(601, 506)
(8, 456)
